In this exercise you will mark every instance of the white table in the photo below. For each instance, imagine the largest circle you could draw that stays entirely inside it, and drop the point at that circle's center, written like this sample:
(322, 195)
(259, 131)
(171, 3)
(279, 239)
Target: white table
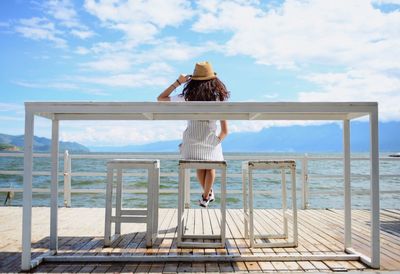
(57, 111)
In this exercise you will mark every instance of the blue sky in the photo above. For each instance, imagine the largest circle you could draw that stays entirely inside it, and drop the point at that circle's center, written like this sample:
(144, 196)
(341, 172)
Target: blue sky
(92, 50)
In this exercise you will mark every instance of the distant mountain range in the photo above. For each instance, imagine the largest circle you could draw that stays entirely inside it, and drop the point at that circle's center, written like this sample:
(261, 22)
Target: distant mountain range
(321, 138)
(40, 144)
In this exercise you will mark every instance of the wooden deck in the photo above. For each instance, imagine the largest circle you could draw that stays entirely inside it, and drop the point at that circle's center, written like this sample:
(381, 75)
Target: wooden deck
(81, 231)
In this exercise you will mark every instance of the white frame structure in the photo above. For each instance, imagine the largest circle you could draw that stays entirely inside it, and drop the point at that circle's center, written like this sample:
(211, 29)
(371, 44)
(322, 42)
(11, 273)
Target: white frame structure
(184, 198)
(248, 204)
(148, 215)
(58, 111)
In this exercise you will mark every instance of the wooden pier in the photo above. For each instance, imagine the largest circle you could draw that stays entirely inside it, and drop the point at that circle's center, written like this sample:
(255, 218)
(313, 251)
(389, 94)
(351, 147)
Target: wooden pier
(81, 233)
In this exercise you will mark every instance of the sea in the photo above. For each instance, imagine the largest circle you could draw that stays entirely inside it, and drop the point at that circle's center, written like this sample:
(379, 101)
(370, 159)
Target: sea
(325, 181)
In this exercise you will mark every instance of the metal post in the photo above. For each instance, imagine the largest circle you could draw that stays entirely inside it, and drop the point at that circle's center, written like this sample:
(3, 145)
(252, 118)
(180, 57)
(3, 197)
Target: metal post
(294, 206)
(374, 162)
(284, 203)
(244, 192)
(118, 201)
(54, 186)
(150, 206)
(67, 179)
(27, 198)
(156, 191)
(305, 190)
(223, 205)
(347, 184)
(108, 209)
(251, 207)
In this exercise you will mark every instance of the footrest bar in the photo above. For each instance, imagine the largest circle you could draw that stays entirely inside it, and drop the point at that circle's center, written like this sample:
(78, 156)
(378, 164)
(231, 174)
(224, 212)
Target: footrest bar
(200, 245)
(205, 237)
(201, 258)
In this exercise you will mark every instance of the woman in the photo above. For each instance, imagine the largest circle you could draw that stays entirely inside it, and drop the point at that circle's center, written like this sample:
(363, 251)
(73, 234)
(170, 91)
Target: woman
(200, 141)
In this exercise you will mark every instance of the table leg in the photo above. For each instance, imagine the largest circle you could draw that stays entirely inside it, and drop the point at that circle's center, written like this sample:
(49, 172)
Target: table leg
(27, 198)
(347, 184)
(54, 186)
(374, 154)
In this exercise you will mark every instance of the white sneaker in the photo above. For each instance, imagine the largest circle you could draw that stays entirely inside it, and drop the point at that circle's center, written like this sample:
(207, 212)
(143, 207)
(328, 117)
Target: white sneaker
(204, 202)
(211, 196)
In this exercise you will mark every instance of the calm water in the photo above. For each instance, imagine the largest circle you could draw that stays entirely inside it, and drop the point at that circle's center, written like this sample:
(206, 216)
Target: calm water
(324, 192)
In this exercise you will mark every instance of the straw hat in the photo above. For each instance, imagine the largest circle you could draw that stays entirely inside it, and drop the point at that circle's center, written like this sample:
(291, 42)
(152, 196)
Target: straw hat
(203, 71)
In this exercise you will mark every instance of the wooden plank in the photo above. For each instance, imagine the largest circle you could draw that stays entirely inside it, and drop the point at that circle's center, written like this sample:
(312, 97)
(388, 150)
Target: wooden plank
(361, 236)
(251, 266)
(215, 220)
(232, 231)
(321, 266)
(210, 226)
(128, 268)
(324, 220)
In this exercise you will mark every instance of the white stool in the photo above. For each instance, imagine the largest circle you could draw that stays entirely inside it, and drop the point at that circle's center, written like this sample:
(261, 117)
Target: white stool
(183, 184)
(148, 216)
(248, 206)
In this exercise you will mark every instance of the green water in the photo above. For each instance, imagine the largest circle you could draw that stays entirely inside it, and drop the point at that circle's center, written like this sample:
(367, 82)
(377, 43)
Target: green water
(324, 192)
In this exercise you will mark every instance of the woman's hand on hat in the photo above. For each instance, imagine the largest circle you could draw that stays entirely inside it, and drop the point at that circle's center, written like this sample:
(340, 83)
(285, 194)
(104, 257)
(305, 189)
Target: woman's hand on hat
(183, 79)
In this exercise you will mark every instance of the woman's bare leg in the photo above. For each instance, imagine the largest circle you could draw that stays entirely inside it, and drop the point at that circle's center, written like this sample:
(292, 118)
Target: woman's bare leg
(201, 176)
(209, 181)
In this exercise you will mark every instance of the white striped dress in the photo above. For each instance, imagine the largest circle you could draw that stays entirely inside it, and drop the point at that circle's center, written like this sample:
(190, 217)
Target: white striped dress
(200, 141)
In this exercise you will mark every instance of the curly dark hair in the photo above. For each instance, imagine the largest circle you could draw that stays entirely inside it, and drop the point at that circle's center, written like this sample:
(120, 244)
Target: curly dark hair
(205, 90)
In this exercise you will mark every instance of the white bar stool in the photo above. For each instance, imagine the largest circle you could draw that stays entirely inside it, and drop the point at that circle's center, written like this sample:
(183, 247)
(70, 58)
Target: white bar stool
(248, 205)
(183, 184)
(148, 216)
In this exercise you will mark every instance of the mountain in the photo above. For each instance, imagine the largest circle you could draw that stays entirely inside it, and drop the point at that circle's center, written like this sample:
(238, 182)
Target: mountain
(321, 138)
(41, 144)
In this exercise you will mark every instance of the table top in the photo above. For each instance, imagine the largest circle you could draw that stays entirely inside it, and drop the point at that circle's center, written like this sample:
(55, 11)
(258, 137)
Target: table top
(201, 110)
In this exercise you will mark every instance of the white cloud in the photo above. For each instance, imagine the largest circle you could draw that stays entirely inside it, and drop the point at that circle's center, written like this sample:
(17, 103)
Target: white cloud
(396, 2)
(4, 24)
(40, 29)
(82, 34)
(82, 51)
(303, 32)
(120, 133)
(139, 20)
(111, 62)
(171, 49)
(63, 85)
(357, 85)
(53, 85)
(270, 95)
(64, 12)
(5, 107)
(12, 118)
(154, 75)
(301, 35)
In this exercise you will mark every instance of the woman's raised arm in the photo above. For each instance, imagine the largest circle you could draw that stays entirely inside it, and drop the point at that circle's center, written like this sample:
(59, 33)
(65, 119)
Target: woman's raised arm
(164, 96)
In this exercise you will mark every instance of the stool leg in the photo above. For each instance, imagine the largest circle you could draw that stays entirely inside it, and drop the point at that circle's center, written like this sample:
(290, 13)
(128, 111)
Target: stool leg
(187, 188)
(245, 209)
(118, 205)
(294, 205)
(181, 202)
(251, 207)
(107, 228)
(223, 205)
(284, 204)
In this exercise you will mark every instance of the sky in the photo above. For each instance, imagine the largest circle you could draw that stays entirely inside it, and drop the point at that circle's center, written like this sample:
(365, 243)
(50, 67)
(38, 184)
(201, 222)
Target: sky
(264, 51)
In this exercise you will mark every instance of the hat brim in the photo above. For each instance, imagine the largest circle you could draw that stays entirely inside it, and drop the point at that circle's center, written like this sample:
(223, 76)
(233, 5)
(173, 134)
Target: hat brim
(204, 77)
